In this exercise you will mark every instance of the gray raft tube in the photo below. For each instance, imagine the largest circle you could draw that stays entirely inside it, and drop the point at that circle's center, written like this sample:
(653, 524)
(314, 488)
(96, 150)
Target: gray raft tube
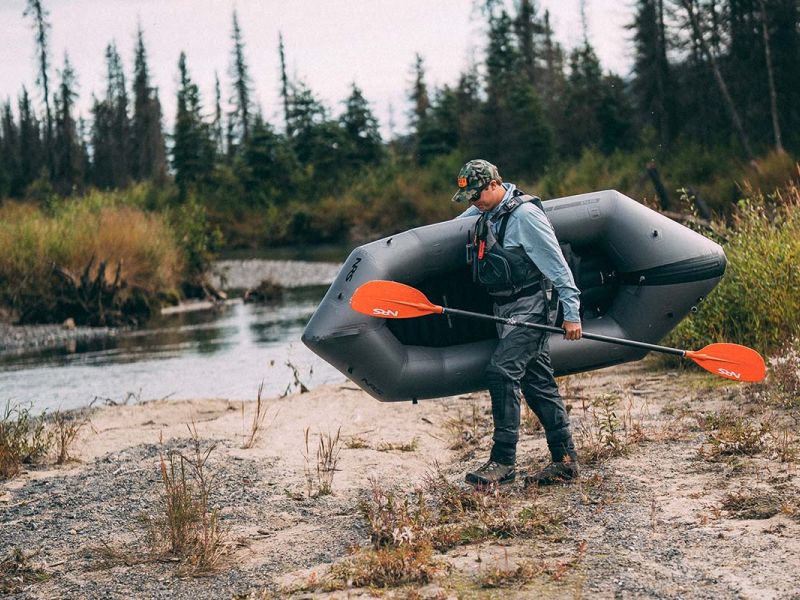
(639, 272)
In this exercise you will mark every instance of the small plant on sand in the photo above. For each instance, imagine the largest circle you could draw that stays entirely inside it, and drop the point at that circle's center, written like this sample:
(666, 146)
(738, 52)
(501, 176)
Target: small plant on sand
(748, 504)
(734, 436)
(401, 551)
(319, 478)
(385, 567)
(453, 501)
(783, 378)
(188, 527)
(259, 416)
(406, 528)
(17, 572)
(410, 446)
(506, 576)
(66, 429)
(356, 442)
(24, 439)
(606, 432)
(784, 445)
(468, 428)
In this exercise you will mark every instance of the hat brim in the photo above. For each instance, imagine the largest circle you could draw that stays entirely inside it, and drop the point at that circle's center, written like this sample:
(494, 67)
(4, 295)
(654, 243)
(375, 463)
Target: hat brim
(466, 195)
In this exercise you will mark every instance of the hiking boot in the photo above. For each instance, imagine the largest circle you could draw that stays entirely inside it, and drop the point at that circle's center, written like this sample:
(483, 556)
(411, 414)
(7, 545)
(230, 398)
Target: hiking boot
(492, 473)
(554, 473)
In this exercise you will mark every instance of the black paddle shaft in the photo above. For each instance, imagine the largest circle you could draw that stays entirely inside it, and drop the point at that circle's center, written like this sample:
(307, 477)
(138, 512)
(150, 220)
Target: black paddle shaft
(589, 336)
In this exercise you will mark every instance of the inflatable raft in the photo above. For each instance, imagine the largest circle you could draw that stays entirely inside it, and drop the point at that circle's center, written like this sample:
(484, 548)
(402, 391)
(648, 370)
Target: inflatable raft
(639, 274)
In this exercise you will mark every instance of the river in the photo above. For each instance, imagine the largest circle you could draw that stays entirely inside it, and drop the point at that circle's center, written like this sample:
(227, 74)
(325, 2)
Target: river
(225, 352)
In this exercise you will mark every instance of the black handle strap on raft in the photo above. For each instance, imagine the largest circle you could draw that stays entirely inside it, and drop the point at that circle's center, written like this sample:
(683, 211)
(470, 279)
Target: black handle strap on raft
(589, 336)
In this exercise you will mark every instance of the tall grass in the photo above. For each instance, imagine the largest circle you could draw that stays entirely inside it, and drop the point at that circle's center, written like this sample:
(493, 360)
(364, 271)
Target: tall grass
(110, 227)
(757, 302)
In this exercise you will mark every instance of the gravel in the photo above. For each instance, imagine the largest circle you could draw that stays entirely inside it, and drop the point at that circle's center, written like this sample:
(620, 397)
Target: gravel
(68, 521)
(244, 274)
(20, 338)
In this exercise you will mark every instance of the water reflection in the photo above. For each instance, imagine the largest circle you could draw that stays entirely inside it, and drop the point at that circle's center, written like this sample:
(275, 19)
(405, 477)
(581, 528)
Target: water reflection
(217, 353)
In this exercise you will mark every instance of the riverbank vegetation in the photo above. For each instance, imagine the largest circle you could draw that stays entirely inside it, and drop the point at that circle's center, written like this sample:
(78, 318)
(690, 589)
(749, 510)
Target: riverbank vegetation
(756, 302)
(103, 259)
(120, 189)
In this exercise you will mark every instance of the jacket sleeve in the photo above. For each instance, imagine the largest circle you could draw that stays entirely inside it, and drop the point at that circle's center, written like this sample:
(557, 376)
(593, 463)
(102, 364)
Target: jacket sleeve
(532, 230)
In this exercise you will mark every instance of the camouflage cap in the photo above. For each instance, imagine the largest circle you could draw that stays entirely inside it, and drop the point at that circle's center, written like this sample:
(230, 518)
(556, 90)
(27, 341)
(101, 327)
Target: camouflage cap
(473, 177)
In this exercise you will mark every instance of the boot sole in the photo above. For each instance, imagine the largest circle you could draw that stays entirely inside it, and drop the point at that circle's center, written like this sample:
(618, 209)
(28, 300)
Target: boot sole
(477, 481)
(546, 482)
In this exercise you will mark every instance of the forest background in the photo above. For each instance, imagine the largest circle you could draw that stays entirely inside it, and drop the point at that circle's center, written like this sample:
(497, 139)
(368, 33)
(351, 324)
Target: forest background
(710, 114)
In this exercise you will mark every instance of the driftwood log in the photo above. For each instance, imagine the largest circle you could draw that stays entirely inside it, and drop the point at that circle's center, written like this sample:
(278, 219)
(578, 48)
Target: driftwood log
(93, 300)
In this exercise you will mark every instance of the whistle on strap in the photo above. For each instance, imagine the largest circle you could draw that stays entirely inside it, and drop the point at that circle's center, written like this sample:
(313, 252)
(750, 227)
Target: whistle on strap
(481, 249)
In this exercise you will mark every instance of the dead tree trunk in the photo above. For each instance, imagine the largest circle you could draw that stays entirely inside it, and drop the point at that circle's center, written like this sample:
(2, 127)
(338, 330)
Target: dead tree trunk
(92, 300)
(661, 191)
(773, 95)
(723, 88)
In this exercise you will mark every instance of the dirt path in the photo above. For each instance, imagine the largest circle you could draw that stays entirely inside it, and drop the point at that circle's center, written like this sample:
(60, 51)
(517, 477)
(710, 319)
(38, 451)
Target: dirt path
(658, 520)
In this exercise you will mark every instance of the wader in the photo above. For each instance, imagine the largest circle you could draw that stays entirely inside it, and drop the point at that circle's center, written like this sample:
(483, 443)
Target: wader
(521, 362)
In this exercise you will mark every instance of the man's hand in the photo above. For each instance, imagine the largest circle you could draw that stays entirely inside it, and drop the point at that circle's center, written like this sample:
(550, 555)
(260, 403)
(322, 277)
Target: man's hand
(572, 330)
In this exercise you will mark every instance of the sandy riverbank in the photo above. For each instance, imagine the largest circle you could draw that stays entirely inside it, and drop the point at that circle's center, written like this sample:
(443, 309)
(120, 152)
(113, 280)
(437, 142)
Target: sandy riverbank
(648, 523)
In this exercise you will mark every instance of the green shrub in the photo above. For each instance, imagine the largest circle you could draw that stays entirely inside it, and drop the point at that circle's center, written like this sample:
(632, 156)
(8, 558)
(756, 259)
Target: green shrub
(756, 303)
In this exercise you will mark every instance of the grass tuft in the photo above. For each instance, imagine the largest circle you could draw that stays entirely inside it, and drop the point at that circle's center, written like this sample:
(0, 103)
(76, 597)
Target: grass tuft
(733, 436)
(356, 442)
(410, 446)
(608, 430)
(24, 439)
(66, 429)
(257, 423)
(751, 505)
(17, 571)
(188, 528)
(319, 478)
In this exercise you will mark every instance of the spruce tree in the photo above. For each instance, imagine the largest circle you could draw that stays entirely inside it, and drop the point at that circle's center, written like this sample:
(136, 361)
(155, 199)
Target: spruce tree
(696, 20)
(783, 21)
(102, 172)
(527, 29)
(111, 128)
(67, 152)
(652, 83)
(268, 168)
(193, 150)
(216, 126)
(31, 151)
(441, 133)
(241, 85)
(360, 126)
(284, 84)
(36, 11)
(307, 114)
(420, 101)
(512, 130)
(10, 181)
(149, 159)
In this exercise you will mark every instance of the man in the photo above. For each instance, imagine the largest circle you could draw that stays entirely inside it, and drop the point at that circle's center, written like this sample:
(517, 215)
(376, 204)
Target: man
(513, 253)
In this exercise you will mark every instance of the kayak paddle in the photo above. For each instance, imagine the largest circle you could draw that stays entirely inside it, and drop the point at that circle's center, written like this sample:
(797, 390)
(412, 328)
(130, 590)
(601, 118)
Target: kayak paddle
(392, 300)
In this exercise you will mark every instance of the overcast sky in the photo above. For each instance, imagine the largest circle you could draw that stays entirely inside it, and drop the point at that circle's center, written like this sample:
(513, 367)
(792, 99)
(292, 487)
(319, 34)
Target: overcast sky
(329, 44)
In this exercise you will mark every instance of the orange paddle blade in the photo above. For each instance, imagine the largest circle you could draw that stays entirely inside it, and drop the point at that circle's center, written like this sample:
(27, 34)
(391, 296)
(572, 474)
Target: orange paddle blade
(732, 361)
(392, 300)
